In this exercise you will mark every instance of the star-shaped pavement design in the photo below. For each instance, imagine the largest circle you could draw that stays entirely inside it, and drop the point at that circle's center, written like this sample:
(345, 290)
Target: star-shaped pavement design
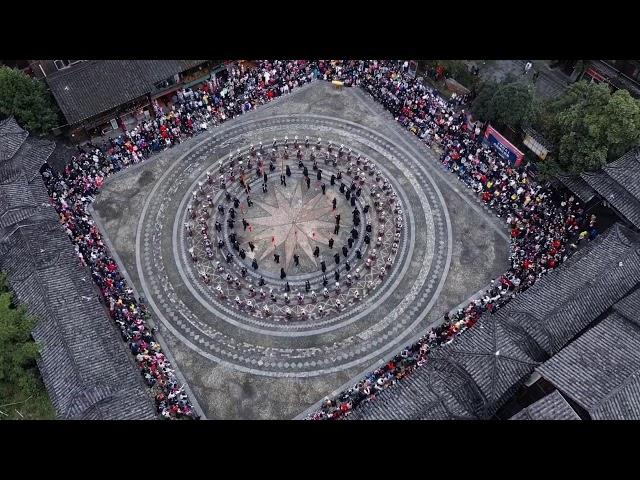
(294, 222)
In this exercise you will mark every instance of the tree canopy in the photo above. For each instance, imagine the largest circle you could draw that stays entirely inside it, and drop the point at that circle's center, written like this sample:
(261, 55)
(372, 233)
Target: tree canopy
(591, 126)
(512, 104)
(28, 100)
(506, 104)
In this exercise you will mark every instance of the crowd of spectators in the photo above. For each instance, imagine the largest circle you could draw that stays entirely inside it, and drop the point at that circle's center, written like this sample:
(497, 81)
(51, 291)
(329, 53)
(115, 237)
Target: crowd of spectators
(73, 189)
(545, 225)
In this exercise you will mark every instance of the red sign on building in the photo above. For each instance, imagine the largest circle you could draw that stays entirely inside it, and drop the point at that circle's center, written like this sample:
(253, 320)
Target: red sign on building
(503, 146)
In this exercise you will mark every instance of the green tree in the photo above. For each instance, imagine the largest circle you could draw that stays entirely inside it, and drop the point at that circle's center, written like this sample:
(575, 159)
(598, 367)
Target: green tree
(480, 105)
(27, 100)
(508, 103)
(512, 104)
(590, 126)
(21, 389)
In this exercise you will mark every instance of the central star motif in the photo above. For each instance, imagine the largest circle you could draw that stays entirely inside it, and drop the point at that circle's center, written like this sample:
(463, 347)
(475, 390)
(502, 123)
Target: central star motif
(294, 222)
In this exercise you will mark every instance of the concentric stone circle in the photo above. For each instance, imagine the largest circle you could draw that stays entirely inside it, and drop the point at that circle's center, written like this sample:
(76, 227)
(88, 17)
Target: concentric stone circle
(318, 344)
(365, 267)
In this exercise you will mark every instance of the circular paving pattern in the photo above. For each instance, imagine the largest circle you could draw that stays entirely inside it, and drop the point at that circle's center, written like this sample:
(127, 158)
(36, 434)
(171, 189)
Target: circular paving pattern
(330, 262)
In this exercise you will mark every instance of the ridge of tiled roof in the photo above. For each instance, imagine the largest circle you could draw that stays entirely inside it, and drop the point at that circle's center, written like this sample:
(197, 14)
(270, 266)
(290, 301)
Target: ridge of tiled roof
(59, 291)
(551, 407)
(12, 136)
(469, 378)
(27, 160)
(438, 390)
(600, 370)
(629, 307)
(495, 362)
(530, 329)
(626, 171)
(577, 185)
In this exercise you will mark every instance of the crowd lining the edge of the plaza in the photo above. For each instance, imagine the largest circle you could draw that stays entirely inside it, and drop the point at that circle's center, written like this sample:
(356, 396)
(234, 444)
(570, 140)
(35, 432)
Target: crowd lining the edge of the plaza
(545, 225)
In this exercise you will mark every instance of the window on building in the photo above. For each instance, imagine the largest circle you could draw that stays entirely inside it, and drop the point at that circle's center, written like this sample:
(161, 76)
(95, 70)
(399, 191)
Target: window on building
(62, 64)
(167, 83)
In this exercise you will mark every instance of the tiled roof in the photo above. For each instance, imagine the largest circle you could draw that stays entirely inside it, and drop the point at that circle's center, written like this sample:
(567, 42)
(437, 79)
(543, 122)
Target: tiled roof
(538, 137)
(96, 86)
(615, 77)
(600, 370)
(577, 185)
(619, 184)
(436, 391)
(16, 202)
(26, 159)
(492, 359)
(567, 300)
(84, 363)
(32, 156)
(484, 367)
(469, 378)
(552, 407)
(53, 286)
(629, 307)
(11, 138)
(626, 171)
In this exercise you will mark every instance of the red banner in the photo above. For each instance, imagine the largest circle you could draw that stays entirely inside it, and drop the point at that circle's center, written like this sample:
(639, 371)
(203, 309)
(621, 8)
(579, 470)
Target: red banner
(503, 146)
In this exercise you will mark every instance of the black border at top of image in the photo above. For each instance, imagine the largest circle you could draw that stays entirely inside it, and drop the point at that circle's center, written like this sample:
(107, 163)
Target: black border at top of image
(163, 30)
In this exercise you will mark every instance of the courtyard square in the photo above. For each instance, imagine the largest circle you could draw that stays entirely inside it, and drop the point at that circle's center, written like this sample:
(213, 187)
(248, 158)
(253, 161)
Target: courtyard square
(422, 246)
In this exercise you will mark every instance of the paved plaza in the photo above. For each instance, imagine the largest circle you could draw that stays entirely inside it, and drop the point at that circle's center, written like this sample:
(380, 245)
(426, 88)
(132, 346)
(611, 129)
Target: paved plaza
(403, 239)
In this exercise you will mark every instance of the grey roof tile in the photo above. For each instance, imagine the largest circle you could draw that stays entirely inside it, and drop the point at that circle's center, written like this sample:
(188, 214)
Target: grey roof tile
(626, 171)
(495, 362)
(567, 300)
(433, 392)
(577, 185)
(629, 307)
(538, 137)
(531, 328)
(16, 201)
(619, 184)
(11, 138)
(552, 407)
(56, 293)
(600, 370)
